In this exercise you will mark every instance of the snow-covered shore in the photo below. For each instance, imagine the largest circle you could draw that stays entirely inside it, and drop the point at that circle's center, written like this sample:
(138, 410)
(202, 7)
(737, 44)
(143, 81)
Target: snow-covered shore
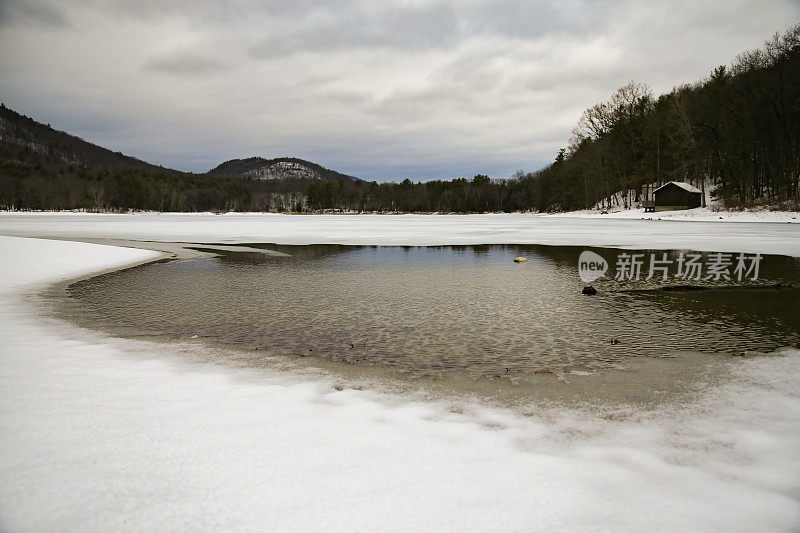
(698, 214)
(99, 433)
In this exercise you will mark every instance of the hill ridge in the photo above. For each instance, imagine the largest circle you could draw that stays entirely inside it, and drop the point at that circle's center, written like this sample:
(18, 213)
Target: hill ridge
(25, 140)
(277, 168)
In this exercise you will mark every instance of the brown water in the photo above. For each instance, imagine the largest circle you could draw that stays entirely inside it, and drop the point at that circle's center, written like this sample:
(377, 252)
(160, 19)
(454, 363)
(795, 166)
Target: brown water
(466, 311)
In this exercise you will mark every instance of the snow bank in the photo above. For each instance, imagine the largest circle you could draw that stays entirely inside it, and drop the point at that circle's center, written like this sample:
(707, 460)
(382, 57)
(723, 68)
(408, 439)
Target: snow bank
(781, 239)
(703, 214)
(27, 263)
(99, 434)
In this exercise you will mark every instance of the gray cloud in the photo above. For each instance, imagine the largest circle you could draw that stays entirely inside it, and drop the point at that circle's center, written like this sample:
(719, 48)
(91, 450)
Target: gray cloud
(33, 12)
(389, 27)
(406, 26)
(186, 64)
(414, 88)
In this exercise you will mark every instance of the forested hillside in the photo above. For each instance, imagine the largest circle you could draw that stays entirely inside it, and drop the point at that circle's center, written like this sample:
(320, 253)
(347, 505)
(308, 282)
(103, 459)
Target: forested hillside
(738, 129)
(24, 140)
(278, 168)
(43, 168)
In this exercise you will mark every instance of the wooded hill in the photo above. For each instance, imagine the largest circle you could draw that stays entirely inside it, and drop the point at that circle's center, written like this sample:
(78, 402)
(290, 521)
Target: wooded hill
(24, 140)
(42, 168)
(738, 130)
(278, 168)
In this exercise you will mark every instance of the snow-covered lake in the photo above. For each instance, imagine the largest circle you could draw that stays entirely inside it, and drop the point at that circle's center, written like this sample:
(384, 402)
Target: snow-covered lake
(413, 230)
(99, 432)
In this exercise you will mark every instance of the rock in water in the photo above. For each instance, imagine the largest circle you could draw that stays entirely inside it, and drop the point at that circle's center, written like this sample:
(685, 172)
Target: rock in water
(520, 260)
(591, 291)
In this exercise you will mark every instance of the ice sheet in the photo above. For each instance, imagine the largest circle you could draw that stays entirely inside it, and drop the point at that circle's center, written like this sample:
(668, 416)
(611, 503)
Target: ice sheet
(772, 238)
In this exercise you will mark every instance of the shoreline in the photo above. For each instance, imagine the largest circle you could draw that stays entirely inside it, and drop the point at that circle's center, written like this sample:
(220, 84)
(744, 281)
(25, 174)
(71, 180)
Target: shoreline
(632, 383)
(699, 214)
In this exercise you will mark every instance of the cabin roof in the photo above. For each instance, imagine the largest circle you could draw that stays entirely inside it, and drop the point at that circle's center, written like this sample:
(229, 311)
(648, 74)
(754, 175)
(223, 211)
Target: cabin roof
(681, 184)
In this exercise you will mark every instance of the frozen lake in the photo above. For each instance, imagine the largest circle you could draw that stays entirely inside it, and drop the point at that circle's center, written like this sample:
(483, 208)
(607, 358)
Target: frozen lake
(411, 230)
(98, 431)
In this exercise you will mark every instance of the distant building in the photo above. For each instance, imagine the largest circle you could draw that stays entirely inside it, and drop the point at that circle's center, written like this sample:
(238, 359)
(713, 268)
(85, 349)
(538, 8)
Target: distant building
(676, 195)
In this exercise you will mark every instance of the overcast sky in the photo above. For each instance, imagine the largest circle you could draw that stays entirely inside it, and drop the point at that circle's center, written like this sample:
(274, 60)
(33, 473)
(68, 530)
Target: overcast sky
(386, 90)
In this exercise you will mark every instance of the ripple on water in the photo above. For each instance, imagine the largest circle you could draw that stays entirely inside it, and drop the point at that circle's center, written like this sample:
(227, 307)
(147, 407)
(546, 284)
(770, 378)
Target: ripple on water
(433, 311)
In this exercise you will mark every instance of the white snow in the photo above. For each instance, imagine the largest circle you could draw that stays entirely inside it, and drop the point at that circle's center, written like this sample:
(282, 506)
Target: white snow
(411, 230)
(697, 214)
(683, 185)
(99, 433)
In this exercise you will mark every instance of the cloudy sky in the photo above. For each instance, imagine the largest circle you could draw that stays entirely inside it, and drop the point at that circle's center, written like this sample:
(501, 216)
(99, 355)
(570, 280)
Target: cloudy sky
(377, 89)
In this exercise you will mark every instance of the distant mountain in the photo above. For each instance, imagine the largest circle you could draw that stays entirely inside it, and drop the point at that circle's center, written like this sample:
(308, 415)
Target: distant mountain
(24, 140)
(281, 168)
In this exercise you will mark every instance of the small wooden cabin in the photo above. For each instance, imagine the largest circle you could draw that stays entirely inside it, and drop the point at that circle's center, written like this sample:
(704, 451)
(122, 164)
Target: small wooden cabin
(676, 195)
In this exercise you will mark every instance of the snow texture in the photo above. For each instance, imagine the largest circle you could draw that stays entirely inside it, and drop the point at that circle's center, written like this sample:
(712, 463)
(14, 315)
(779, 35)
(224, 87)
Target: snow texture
(698, 214)
(682, 185)
(106, 434)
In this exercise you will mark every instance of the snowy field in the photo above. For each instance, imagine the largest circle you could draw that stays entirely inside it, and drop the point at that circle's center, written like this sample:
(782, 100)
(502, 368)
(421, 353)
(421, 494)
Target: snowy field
(106, 434)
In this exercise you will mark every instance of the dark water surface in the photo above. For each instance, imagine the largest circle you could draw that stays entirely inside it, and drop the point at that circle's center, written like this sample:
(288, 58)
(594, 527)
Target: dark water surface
(437, 311)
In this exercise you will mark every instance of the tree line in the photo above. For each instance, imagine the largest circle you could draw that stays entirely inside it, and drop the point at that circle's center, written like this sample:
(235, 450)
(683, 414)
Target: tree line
(59, 187)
